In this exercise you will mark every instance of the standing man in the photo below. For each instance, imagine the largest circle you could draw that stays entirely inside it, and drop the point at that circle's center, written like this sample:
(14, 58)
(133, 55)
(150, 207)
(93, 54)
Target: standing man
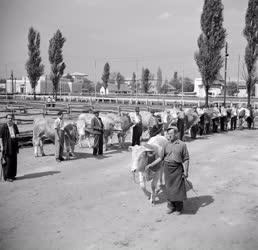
(9, 148)
(223, 118)
(153, 124)
(233, 117)
(59, 136)
(98, 130)
(137, 127)
(176, 165)
(181, 122)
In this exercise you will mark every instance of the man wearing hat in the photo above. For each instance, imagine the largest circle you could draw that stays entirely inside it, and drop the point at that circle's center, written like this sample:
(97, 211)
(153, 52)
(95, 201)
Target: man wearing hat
(137, 127)
(59, 136)
(176, 164)
(98, 129)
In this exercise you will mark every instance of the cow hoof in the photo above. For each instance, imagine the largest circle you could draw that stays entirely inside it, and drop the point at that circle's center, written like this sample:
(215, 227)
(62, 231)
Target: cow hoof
(43, 154)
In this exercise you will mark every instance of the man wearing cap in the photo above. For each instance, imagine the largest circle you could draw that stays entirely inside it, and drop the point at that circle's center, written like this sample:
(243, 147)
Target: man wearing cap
(176, 164)
(59, 136)
(137, 127)
(98, 129)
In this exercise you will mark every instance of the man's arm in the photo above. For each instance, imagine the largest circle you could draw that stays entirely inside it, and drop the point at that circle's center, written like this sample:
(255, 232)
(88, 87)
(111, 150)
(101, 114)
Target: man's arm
(186, 168)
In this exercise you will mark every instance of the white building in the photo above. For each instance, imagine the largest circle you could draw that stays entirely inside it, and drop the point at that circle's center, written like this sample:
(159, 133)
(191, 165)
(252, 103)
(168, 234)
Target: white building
(199, 88)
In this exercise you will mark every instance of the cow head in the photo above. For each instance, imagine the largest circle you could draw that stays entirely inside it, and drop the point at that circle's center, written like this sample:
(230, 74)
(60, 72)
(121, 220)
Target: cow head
(140, 156)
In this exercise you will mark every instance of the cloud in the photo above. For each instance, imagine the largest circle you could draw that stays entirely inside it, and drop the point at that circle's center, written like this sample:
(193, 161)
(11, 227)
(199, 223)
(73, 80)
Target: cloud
(164, 16)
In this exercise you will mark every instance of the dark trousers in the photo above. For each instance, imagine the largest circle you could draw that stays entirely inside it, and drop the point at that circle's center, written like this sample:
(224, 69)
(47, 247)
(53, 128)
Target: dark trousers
(215, 122)
(137, 132)
(176, 205)
(10, 166)
(222, 123)
(98, 144)
(249, 121)
(233, 123)
(201, 125)
(181, 128)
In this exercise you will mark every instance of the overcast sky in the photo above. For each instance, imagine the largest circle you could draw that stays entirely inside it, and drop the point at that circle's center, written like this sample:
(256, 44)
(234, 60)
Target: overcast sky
(129, 34)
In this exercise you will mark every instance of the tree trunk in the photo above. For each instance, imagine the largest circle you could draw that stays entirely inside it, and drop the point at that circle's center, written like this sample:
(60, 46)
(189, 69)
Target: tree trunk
(206, 97)
(34, 93)
(248, 88)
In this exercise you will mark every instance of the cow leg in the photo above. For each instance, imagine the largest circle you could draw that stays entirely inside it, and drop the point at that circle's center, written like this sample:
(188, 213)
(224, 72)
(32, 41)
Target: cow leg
(154, 183)
(142, 181)
(105, 143)
(41, 148)
(36, 147)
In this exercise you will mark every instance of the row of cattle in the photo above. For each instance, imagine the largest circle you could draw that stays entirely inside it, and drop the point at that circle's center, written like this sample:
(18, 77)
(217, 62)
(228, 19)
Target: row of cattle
(114, 124)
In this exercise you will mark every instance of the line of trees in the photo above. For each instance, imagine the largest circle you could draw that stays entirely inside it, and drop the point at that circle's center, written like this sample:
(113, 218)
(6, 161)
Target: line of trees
(34, 66)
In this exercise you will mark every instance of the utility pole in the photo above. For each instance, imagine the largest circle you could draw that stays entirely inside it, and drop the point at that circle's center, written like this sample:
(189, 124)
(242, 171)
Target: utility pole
(225, 72)
(6, 81)
(136, 80)
(95, 77)
(238, 71)
(12, 81)
(182, 98)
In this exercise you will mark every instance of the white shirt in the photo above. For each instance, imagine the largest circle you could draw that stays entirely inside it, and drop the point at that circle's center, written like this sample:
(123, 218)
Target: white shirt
(59, 124)
(11, 131)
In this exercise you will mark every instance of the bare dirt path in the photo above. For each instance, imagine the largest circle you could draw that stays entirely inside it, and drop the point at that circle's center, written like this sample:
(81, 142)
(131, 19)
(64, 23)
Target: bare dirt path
(90, 203)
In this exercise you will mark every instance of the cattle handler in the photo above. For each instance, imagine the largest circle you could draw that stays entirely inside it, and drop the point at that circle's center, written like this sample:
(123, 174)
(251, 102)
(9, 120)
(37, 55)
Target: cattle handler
(59, 136)
(137, 127)
(98, 129)
(176, 164)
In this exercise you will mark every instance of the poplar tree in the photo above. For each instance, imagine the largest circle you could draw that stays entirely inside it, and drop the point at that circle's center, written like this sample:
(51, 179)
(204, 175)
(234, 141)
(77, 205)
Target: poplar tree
(55, 54)
(159, 80)
(34, 67)
(210, 43)
(105, 76)
(251, 51)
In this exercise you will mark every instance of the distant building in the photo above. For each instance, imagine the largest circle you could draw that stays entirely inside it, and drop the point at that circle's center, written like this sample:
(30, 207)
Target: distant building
(215, 88)
(112, 89)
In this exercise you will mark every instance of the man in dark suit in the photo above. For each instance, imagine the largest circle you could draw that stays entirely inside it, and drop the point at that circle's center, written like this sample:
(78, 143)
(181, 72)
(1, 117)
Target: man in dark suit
(98, 128)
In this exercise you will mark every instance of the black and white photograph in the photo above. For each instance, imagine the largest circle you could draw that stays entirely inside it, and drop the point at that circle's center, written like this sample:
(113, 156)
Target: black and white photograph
(129, 125)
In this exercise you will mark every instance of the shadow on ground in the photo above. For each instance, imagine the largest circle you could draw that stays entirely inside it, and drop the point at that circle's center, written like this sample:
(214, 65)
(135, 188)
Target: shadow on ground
(37, 175)
(193, 204)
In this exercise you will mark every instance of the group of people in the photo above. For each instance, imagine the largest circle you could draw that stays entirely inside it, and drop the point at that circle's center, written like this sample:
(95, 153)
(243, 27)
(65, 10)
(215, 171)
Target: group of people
(224, 118)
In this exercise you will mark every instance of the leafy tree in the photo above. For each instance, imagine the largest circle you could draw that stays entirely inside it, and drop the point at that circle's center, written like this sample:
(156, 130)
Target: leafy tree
(105, 76)
(133, 83)
(34, 67)
(210, 43)
(119, 80)
(146, 83)
(251, 50)
(164, 87)
(159, 80)
(2, 80)
(188, 85)
(142, 82)
(176, 82)
(88, 86)
(232, 88)
(55, 55)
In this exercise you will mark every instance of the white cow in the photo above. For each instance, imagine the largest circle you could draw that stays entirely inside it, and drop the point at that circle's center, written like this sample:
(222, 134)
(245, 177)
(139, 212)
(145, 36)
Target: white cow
(143, 155)
(44, 129)
(84, 128)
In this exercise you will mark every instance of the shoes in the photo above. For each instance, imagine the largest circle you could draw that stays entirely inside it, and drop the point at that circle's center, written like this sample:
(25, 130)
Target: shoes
(9, 180)
(58, 160)
(171, 210)
(178, 212)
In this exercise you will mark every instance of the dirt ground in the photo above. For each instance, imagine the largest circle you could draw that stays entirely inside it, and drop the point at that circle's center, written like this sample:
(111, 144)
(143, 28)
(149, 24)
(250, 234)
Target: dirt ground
(89, 203)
